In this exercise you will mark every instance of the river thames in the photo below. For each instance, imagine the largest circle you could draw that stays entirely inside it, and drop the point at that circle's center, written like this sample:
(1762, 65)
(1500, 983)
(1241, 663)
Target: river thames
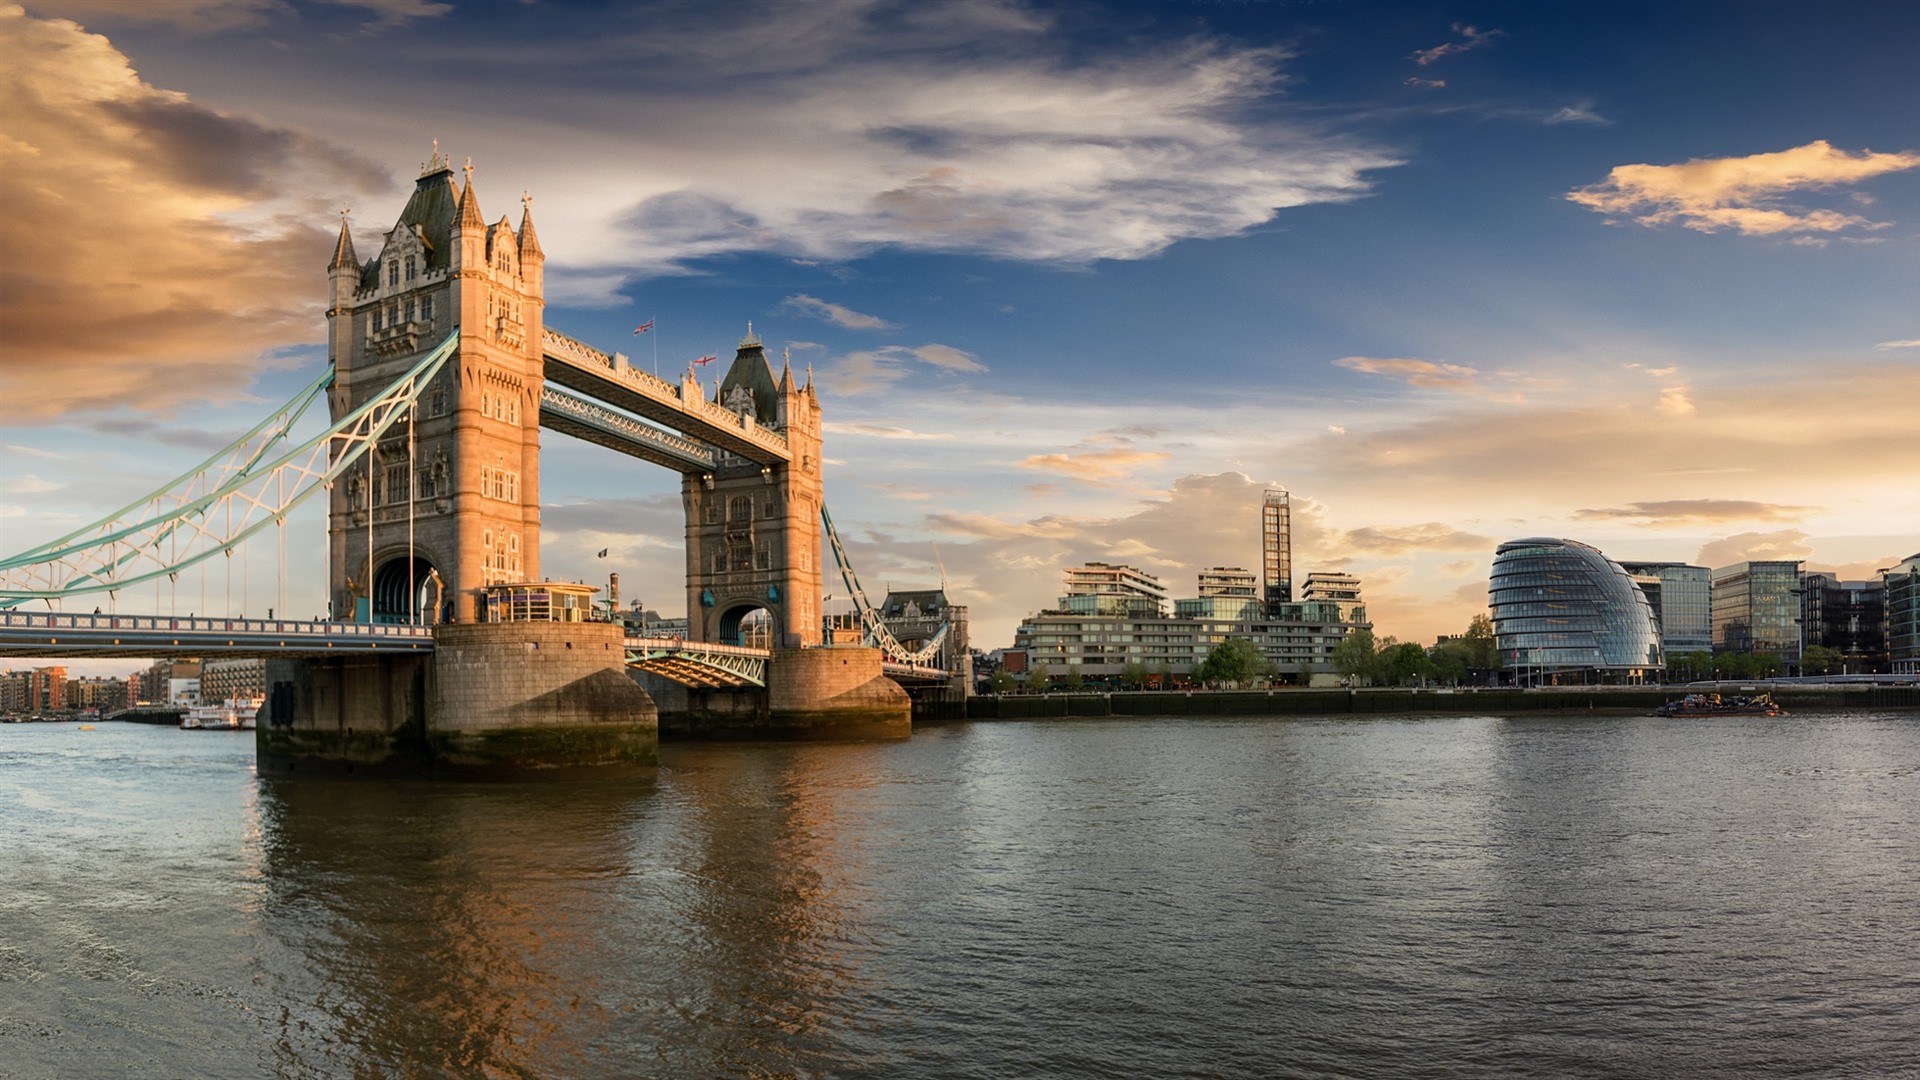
(1439, 897)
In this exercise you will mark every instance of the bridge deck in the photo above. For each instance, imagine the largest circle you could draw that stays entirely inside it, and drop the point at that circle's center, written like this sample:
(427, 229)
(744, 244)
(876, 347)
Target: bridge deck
(59, 634)
(587, 370)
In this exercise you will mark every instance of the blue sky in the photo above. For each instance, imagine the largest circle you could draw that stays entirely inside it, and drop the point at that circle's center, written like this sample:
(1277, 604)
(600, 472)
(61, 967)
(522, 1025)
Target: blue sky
(1076, 280)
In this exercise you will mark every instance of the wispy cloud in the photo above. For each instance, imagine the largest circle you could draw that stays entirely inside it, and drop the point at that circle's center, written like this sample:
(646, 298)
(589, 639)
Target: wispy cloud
(1426, 84)
(1381, 540)
(817, 308)
(1743, 194)
(1111, 463)
(1427, 374)
(869, 371)
(1911, 343)
(27, 484)
(1695, 511)
(880, 431)
(1470, 38)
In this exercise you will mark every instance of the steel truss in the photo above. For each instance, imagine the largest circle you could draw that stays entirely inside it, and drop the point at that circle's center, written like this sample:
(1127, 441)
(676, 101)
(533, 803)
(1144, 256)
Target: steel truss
(877, 634)
(218, 504)
(699, 664)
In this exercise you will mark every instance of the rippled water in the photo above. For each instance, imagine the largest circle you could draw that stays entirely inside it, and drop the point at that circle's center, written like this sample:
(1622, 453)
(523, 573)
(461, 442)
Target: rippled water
(1472, 897)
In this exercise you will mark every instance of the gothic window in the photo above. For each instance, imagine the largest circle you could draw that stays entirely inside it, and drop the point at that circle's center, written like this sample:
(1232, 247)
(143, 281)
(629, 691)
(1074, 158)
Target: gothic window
(763, 559)
(397, 482)
(437, 402)
(393, 272)
(711, 515)
(409, 311)
(740, 508)
(393, 315)
(741, 550)
(376, 491)
(409, 268)
(486, 404)
(379, 318)
(426, 308)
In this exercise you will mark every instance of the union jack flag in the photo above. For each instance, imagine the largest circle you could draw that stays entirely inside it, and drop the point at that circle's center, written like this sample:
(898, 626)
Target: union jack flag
(643, 327)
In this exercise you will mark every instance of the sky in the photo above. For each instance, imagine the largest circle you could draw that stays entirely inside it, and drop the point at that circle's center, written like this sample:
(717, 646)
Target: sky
(1076, 281)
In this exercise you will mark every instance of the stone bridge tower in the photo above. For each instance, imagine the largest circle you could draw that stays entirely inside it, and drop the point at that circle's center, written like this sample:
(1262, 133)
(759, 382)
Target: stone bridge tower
(753, 532)
(451, 503)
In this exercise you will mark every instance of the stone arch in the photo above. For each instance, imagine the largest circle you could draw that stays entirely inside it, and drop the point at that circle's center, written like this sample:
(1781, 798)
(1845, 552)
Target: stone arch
(403, 590)
(745, 623)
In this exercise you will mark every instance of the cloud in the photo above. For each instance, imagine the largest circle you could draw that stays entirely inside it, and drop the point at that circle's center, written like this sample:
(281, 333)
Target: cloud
(879, 431)
(1470, 38)
(1912, 343)
(840, 316)
(193, 16)
(1388, 540)
(1743, 194)
(1114, 463)
(1576, 114)
(1694, 511)
(1785, 544)
(1427, 84)
(870, 371)
(1452, 378)
(27, 484)
(155, 248)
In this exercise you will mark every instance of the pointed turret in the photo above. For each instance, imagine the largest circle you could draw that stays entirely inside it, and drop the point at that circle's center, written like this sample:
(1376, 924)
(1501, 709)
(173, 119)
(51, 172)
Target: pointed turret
(343, 257)
(529, 242)
(469, 217)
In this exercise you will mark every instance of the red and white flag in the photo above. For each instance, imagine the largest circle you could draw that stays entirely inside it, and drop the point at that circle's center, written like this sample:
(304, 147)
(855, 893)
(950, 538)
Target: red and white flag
(706, 360)
(643, 327)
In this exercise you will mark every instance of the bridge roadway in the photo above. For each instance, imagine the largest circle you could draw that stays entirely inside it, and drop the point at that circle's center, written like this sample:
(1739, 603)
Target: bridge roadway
(51, 634)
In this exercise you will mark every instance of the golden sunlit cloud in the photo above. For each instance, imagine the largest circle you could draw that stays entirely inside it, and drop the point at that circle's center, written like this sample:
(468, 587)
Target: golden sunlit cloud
(1695, 511)
(1110, 464)
(156, 249)
(1742, 194)
(1401, 539)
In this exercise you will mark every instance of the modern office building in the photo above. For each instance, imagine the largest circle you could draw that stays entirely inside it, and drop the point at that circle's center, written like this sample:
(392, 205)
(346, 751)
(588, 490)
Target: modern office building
(1756, 609)
(1849, 617)
(1106, 589)
(1902, 618)
(1229, 581)
(1682, 600)
(1276, 548)
(1564, 612)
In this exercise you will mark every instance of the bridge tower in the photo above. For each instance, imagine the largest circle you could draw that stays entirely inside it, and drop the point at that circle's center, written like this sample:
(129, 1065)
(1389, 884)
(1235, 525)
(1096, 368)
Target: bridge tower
(753, 532)
(450, 503)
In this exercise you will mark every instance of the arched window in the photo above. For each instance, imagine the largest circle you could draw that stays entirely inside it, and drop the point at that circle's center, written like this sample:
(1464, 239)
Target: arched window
(379, 318)
(426, 308)
(740, 508)
(393, 272)
(409, 268)
(409, 311)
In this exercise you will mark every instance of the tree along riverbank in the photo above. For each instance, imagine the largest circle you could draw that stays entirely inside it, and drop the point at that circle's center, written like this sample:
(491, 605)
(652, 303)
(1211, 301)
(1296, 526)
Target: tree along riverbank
(1623, 700)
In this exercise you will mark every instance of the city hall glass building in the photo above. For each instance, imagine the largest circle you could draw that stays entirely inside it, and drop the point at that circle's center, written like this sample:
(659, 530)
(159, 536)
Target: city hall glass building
(1563, 612)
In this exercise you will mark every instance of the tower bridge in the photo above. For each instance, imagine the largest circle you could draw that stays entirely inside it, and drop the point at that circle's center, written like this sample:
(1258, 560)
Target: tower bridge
(443, 377)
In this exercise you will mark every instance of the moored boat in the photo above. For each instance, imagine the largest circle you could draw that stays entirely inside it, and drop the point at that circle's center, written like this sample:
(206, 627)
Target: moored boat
(1696, 705)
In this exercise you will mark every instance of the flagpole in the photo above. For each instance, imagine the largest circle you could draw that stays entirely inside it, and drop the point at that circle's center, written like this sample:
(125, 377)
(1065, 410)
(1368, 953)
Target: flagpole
(656, 351)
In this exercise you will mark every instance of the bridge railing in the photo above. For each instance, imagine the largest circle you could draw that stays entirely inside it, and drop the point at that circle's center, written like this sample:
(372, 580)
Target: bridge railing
(301, 628)
(675, 644)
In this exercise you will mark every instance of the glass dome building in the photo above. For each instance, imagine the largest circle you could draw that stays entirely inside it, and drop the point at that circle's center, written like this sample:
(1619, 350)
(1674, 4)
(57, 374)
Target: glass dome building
(1561, 607)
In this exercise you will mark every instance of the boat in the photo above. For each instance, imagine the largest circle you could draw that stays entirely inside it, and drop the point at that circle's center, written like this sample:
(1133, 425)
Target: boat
(1697, 705)
(233, 714)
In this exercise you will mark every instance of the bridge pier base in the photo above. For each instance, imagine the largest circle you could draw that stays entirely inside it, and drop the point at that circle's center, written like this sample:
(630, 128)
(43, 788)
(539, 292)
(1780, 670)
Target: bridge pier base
(523, 699)
(811, 694)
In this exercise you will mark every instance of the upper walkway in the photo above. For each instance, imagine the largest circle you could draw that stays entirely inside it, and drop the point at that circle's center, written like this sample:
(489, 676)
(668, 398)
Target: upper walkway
(684, 408)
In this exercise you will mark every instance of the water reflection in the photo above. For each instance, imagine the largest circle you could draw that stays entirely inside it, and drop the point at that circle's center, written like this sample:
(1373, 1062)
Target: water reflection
(440, 928)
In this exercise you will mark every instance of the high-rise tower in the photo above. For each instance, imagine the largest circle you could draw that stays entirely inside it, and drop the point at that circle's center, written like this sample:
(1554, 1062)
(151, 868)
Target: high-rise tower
(448, 502)
(1276, 547)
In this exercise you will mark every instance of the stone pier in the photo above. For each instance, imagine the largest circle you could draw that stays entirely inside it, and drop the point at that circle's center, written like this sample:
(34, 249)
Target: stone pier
(537, 699)
(811, 694)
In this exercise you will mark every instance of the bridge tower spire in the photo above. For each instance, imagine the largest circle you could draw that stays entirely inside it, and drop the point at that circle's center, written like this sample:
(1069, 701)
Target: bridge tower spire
(457, 496)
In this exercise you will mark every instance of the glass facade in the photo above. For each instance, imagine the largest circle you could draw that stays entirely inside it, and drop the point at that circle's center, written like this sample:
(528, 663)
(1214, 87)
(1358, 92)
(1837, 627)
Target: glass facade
(1685, 607)
(1276, 547)
(1903, 615)
(1561, 606)
(1756, 609)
